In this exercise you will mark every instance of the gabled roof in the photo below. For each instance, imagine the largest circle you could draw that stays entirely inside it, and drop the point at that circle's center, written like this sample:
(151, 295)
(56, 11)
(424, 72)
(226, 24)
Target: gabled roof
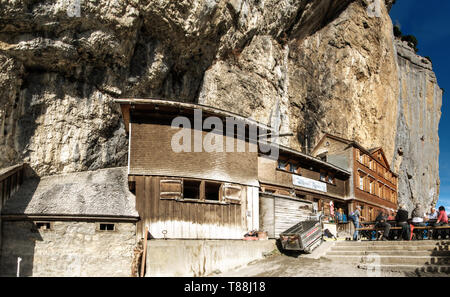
(380, 149)
(375, 149)
(357, 145)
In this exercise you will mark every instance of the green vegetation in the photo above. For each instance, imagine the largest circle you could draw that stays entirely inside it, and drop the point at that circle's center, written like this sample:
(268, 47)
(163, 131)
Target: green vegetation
(411, 39)
(397, 31)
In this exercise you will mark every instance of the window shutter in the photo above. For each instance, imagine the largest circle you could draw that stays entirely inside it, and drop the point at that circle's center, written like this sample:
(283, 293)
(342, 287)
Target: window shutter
(232, 193)
(170, 188)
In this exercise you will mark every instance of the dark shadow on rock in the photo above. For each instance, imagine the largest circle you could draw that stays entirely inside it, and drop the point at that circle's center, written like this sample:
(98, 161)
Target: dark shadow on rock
(19, 235)
(18, 202)
(19, 241)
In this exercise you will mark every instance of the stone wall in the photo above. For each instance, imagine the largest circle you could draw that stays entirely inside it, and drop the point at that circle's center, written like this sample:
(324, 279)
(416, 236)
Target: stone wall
(190, 258)
(68, 249)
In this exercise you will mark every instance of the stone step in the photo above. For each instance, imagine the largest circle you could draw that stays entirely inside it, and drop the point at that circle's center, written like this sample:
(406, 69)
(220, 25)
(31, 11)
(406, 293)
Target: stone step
(392, 260)
(397, 253)
(424, 269)
(394, 243)
(429, 248)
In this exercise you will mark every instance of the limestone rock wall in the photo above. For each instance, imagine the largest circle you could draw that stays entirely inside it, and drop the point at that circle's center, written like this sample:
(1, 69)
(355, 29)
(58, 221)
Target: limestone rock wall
(416, 156)
(302, 66)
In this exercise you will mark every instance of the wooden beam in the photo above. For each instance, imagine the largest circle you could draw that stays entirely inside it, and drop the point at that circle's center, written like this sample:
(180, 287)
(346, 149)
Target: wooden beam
(144, 254)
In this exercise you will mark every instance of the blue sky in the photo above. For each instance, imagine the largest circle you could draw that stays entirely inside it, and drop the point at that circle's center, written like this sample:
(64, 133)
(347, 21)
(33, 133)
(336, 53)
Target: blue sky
(429, 21)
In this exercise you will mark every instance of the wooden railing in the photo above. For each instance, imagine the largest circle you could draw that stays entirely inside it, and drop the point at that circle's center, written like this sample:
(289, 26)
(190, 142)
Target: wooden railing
(10, 180)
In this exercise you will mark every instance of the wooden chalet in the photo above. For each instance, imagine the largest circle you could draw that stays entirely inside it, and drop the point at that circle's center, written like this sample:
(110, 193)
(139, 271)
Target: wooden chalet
(373, 185)
(219, 195)
(189, 195)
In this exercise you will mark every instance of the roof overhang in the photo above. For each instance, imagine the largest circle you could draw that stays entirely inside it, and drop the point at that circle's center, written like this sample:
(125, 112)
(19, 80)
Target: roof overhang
(180, 108)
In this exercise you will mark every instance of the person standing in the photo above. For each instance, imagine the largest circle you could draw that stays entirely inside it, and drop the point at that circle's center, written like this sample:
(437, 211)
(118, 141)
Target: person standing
(355, 217)
(402, 220)
(382, 223)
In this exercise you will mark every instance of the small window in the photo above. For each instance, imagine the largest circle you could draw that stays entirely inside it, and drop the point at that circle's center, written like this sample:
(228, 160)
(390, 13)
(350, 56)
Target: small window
(132, 187)
(212, 191)
(191, 189)
(323, 176)
(330, 179)
(107, 227)
(270, 191)
(43, 226)
(232, 193)
(361, 181)
(170, 188)
(294, 168)
(282, 164)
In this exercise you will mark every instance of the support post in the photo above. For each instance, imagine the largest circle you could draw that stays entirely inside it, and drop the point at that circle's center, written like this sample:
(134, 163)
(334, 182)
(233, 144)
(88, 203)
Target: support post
(144, 254)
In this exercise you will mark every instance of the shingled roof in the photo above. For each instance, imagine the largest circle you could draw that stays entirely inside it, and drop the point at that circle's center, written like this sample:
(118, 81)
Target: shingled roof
(100, 193)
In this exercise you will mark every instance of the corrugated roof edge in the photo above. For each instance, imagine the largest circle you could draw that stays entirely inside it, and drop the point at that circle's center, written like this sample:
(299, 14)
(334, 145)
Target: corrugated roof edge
(186, 105)
(5, 171)
(311, 158)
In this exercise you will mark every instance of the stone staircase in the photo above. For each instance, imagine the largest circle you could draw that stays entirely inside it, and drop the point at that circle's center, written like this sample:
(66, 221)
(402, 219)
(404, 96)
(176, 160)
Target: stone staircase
(425, 256)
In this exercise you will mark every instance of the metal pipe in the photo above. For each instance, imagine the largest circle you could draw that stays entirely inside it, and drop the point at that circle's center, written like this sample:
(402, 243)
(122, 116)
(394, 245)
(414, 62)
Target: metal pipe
(19, 259)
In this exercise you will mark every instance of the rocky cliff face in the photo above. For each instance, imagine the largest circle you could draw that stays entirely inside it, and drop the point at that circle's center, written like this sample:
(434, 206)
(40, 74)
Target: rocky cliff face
(300, 65)
(416, 156)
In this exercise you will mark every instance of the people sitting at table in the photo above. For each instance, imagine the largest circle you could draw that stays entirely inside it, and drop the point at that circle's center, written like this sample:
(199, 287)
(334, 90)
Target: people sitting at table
(341, 217)
(442, 218)
(402, 221)
(344, 217)
(433, 214)
(381, 222)
(418, 216)
(391, 216)
(418, 219)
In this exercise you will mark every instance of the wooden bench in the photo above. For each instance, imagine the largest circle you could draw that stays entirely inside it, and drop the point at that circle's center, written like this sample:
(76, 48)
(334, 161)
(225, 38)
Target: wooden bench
(420, 235)
(367, 231)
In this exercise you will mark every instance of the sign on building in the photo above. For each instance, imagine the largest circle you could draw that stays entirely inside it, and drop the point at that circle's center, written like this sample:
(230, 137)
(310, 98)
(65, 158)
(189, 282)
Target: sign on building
(308, 183)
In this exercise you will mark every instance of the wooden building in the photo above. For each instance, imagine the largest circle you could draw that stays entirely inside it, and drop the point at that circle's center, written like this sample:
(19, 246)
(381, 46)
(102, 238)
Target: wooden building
(11, 178)
(195, 194)
(373, 185)
(296, 185)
